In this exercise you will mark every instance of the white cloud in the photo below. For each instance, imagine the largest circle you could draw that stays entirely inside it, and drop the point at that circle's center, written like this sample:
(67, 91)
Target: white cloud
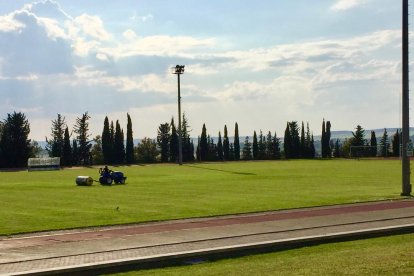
(143, 18)
(160, 45)
(129, 34)
(89, 25)
(9, 24)
(342, 5)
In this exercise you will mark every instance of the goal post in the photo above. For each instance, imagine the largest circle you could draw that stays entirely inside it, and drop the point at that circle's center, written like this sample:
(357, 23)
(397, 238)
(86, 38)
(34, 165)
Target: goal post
(43, 164)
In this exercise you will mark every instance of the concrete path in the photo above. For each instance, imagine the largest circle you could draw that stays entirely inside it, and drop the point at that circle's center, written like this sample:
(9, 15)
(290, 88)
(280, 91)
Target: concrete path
(90, 251)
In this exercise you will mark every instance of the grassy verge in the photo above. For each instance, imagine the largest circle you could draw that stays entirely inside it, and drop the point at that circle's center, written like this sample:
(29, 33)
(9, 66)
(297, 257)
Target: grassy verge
(379, 256)
(35, 201)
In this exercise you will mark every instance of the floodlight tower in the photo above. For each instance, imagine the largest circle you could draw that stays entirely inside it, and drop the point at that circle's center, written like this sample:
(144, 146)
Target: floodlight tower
(178, 70)
(406, 186)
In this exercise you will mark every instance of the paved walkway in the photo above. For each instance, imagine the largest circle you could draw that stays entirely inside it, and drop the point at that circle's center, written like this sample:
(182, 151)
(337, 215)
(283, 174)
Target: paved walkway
(75, 251)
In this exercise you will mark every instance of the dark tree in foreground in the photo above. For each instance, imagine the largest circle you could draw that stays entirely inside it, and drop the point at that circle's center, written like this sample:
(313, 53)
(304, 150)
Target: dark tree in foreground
(292, 140)
(226, 145)
(173, 142)
(203, 144)
(255, 146)
(15, 146)
(287, 143)
(163, 141)
(384, 144)
(107, 143)
(55, 144)
(373, 144)
(247, 149)
(119, 146)
(396, 144)
(129, 151)
(303, 144)
(81, 128)
(220, 148)
(236, 143)
(188, 147)
(326, 139)
(67, 149)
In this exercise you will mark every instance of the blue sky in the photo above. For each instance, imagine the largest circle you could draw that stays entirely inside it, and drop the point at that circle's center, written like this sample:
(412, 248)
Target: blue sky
(260, 63)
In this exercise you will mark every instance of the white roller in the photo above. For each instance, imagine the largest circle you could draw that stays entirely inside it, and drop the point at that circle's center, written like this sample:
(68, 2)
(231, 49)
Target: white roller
(84, 180)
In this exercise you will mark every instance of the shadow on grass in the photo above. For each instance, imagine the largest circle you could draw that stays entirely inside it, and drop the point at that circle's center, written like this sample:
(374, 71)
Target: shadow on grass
(218, 170)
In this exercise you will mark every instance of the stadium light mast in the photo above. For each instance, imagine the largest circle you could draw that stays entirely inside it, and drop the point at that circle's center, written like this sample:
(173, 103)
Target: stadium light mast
(178, 70)
(406, 186)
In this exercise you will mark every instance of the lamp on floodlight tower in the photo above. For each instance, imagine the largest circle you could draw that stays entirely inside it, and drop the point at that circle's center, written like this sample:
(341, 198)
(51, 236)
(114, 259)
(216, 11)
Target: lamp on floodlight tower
(178, 70)
(406, 145)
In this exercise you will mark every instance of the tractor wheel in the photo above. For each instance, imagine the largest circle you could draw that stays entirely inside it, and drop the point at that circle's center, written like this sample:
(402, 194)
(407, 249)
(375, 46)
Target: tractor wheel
(122, 181)
(109, 181)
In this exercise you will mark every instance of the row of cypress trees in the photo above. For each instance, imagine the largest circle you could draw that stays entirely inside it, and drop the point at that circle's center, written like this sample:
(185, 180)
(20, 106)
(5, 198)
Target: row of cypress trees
(224, 150)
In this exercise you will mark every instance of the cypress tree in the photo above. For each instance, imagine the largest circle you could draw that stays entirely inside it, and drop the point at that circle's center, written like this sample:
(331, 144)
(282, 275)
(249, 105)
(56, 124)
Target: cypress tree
(287, 143)
(303, 146)
(204, 144)
(396, 144)
(226, 145)
(129, 152)
(231, 152)
(247, 149)
(112, 155)
(261, 141)
(275, 150)
(308, 142)
(328, 139)
(173, 142)
(188, 149)
(107, 142)
(75, 153)
(67, 149)
(294, 133)
(219, 148)
(236, 143)
(255, 147)
(373, 149)
(211, 149)
(384, 144)
(269, 146)
(323, 140)
(198, 149)
(312, 150)
(119, 147)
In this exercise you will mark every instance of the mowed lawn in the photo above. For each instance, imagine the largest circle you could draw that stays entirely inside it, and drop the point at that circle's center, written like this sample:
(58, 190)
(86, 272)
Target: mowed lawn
(36, 201)
(380, 256)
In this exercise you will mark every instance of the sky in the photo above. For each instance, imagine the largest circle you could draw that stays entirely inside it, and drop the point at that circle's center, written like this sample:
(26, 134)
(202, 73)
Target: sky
(259, 63)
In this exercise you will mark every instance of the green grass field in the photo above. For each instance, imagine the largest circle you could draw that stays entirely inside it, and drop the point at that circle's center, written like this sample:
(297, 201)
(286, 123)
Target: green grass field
(380, 256)
(36, 201)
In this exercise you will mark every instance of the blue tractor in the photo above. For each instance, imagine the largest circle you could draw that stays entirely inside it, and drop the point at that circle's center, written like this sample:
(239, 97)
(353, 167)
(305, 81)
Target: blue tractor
(108, 176)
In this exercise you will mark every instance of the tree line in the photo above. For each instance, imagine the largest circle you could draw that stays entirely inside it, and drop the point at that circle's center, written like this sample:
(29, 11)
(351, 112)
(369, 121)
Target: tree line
(359, 146)
(76, 147)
